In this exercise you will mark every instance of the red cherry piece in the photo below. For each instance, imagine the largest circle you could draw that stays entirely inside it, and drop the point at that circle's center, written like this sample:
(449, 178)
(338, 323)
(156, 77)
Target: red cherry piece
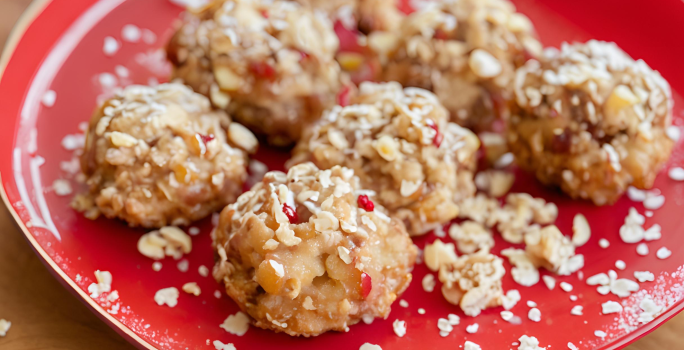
(264, 13)
(206, 138)
(366, 285)
(437, 140)
(263, 70)
(441, 34)
(365, 203)
(291, 214)
(344, 96)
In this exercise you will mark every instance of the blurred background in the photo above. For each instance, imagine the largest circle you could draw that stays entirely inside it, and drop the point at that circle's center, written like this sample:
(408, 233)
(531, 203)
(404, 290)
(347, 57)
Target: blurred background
(44, 315)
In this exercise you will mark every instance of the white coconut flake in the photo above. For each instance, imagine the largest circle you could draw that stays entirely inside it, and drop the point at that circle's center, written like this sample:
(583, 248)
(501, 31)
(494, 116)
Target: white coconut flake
(635, 194)
(534, 315)
(131, 33)
(549, 281)
(673, 132)
(107, 80)
(598, 279)
(403, 303)
(576, 310)
(399, 328)
(676, 174)
(531, 303)
(566, 286)
(603, 243)
(111, 46)
(49, 98)
(600, 334)
(468, 345)
(644, 276)
(62, 187)
(611, 307)
(511, 298)
(663, 253)
(168, 296)
(507, 315)
(472, 329)
(642, 249)
(654, 202)
(237, 324)
(429, 283)
(620, 265)
(653, 233)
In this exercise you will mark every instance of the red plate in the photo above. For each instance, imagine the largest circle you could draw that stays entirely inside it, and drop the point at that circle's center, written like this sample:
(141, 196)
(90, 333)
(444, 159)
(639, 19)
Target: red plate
(59, 46)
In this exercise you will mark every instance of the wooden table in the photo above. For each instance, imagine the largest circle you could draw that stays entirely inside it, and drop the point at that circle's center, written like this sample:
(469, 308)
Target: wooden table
(46, 316)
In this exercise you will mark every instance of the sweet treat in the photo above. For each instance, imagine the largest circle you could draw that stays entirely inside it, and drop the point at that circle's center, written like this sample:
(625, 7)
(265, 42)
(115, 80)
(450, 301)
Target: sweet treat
(591, 120)
(310, 251)
(465, 51)
(160, 156)
(270, 64)
(401, 145)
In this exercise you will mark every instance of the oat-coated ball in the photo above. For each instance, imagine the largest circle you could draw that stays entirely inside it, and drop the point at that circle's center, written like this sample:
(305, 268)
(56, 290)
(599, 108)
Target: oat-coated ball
(308, 251)
(402, 146)
(465, 51)
(270, 64)
(591, 120)
(160, 156)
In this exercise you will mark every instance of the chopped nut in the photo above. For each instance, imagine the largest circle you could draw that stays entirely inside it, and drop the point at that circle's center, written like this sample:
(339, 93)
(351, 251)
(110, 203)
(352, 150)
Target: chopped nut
(168, 296)
(483, 64)
(192, 288)
(237, 324)
(581, 230)
(243, 137)
(439, 253)
(120, 139)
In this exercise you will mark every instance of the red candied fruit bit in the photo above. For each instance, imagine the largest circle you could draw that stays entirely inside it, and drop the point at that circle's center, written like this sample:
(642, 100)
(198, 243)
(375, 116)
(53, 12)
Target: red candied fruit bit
(344, 96)
(304, 56)
(441, 35)
(263, 70)
(437, 140)
(366, 284)
(264, 13)
(206, 138)
(365, 203)
(291, 214)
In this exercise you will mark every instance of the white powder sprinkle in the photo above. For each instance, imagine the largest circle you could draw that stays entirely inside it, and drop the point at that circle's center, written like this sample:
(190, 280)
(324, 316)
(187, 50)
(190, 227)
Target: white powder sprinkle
(121, 71)
(620, 265)
(421, 311)
(403, 303)
(61, 187)
(156, 266)
(193, 231)
(531, 303)
(604, 243)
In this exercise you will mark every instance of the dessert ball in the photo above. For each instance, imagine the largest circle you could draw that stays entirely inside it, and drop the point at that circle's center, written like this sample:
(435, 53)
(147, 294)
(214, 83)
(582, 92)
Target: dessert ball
(310, 251)
(402, 146)
(465, 51)
(591, 120)
(160, 156)
(270, 64)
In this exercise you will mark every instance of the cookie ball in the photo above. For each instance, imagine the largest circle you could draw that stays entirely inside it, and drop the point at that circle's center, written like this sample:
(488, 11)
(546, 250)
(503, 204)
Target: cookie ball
(160, 156)
(591, 120)
(270, 64)
(465, 51)
(310, 251)
(402, 146)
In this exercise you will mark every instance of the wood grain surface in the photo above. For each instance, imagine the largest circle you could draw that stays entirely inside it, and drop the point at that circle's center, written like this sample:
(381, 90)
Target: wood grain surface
(44, 315)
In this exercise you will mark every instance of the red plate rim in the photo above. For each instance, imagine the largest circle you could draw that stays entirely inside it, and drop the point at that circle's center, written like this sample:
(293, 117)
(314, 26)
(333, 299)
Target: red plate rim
(15, 39)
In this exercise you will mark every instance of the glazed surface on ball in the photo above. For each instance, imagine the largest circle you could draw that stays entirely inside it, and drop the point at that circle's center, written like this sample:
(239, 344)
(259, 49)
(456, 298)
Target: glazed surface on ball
(308, 251)
(160, 156)
(269, 64)
(402, 146)
(591, 120)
